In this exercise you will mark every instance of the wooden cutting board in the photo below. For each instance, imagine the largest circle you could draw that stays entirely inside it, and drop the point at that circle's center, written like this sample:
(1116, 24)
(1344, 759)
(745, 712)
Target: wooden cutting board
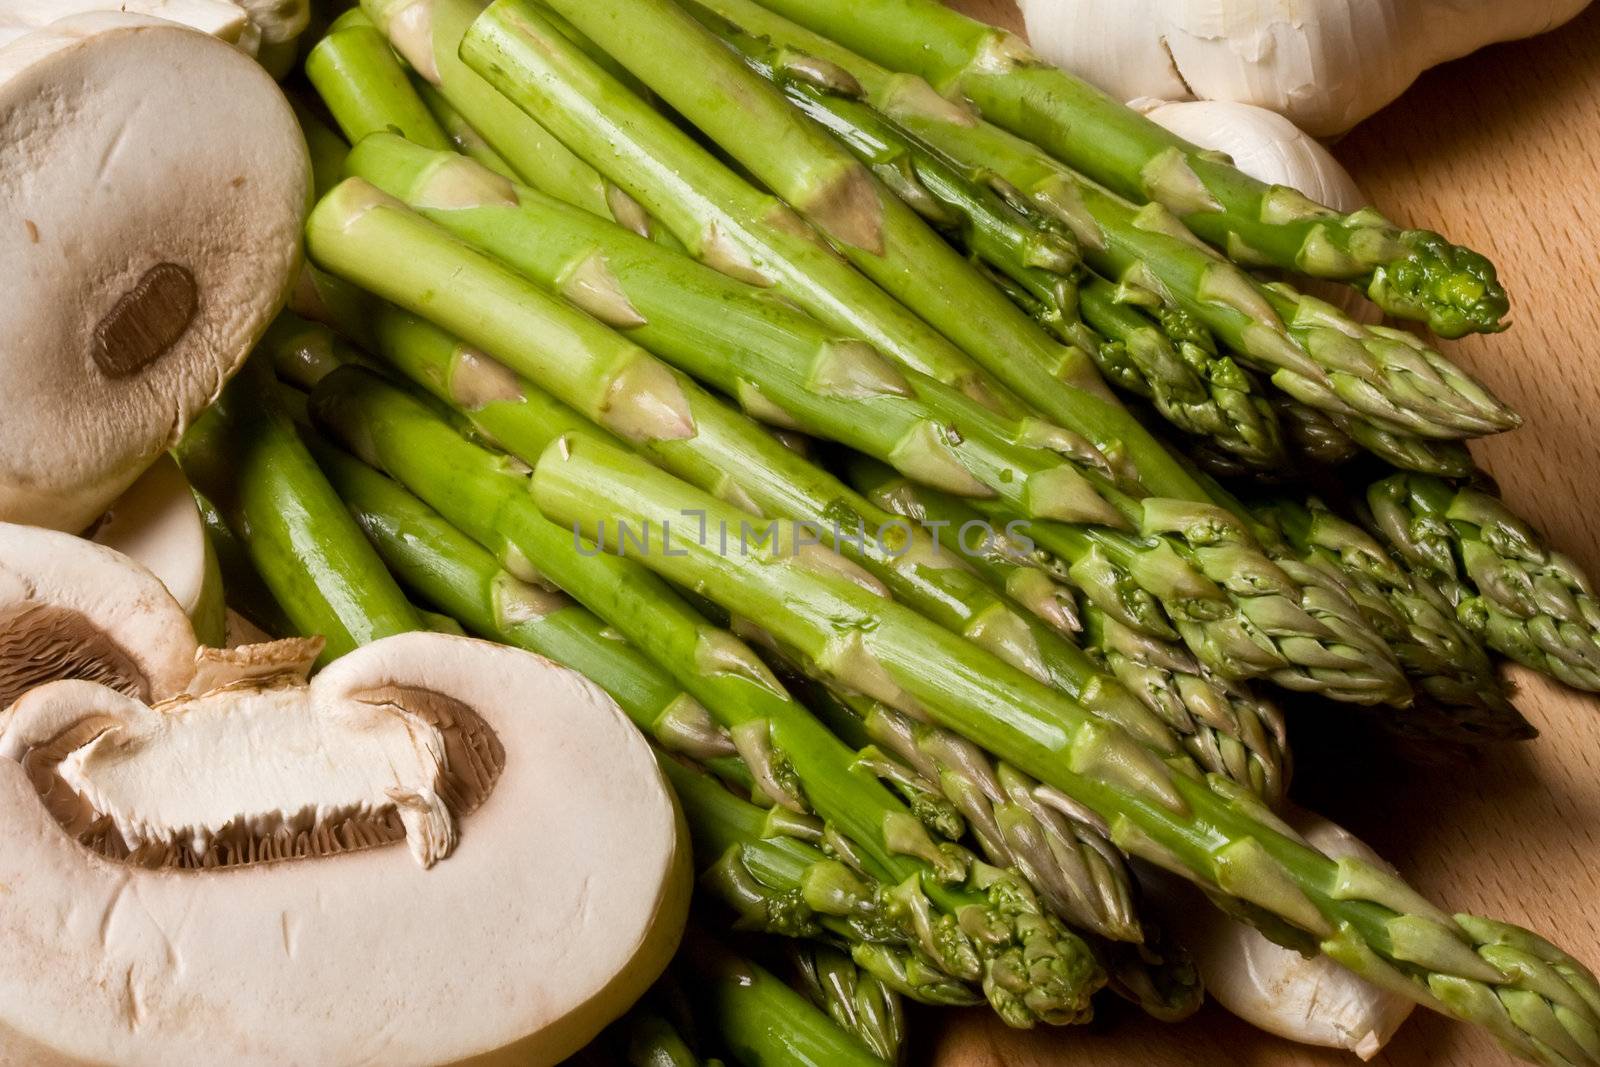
(1502, 152)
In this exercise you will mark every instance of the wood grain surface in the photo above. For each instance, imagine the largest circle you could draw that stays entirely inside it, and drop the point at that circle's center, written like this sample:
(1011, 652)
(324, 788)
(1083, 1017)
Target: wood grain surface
(1502, 152)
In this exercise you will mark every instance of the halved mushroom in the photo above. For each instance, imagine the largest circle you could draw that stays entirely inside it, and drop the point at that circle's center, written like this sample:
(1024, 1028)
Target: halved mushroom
(221, 879)
(157, 524)
(70, 608)
(154, 192)
(222, 19)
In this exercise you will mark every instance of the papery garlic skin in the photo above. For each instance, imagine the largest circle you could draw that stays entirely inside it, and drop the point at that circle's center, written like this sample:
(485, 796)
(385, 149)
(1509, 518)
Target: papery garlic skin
(1324, 64)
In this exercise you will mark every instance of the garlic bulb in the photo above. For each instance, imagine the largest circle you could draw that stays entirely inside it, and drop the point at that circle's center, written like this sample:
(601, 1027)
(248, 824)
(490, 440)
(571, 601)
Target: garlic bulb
(1311, 1000)
(1324, 64)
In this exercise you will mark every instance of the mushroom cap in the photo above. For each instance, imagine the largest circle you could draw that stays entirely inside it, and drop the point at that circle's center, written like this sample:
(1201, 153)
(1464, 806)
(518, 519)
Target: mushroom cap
(157, 524)
(561, 902)
(70, 608)
(155, 197)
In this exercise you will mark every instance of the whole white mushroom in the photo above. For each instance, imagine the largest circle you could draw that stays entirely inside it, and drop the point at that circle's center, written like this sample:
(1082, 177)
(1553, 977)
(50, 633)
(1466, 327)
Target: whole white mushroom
(155, 188)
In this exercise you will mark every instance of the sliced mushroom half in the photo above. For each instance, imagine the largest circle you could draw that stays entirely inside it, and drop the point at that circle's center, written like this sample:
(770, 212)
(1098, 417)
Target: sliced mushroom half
(440, 850)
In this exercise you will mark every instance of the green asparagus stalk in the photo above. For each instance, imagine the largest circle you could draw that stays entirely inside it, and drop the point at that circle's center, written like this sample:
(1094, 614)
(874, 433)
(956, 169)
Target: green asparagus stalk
(1018, 823)
(776, 878)
(245, 591)
(761, 1020)
(245, 456)
(1226, 728)
(1462, 698)
(818, 177)
(1056, 844)
(1039, 257)
(1411, 274)
(465, 139)
(647, 1039)
(1524, 599)
(777, 883)
(364, 86)
(1199, 390)
(1537, 1000)
(461, 578)
(719, 216)
(855, 999)
(619, 387)
(427, 35)
(1310, 349)
(1030, 967)
(779, 362)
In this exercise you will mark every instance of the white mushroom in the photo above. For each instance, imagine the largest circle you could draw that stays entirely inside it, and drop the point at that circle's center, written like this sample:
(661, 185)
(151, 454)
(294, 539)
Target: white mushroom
(70, 608)
(1325, 64)
(152, 202)
(222, 19)
(219, 879)
(157, 524)
(1307, 999)
(73, 609)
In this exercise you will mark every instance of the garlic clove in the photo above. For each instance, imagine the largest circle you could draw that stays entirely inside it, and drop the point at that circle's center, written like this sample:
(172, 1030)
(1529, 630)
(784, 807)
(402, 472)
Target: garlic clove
(1310, 1000)
(1262, 143)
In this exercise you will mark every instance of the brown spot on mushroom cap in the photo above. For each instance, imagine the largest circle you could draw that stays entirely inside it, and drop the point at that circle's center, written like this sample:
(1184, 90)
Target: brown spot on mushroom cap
(33, 230)
(41, 643)
(145, 321)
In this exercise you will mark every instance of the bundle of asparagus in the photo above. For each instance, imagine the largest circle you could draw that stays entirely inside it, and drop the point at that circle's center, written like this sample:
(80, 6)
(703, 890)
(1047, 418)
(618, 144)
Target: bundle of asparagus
(577, 343)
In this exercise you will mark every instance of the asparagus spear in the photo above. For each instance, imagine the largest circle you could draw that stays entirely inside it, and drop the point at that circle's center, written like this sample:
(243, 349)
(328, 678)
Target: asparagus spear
(1214, 397)
(1056, 844)
(427, 34)
(777, 883)
(463, 136)
(858, 1001)
(762, 1021)
(455, 574)
(1311, 350)
(1225, 727)
(1030, 967)
(619, 387)
(1537, 1000)
(1526, 600)
(1411, 274)
(1462, 698)
(777, 878)
(819, 178)
(1040, 258)
(364, 86)
(246, 458)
